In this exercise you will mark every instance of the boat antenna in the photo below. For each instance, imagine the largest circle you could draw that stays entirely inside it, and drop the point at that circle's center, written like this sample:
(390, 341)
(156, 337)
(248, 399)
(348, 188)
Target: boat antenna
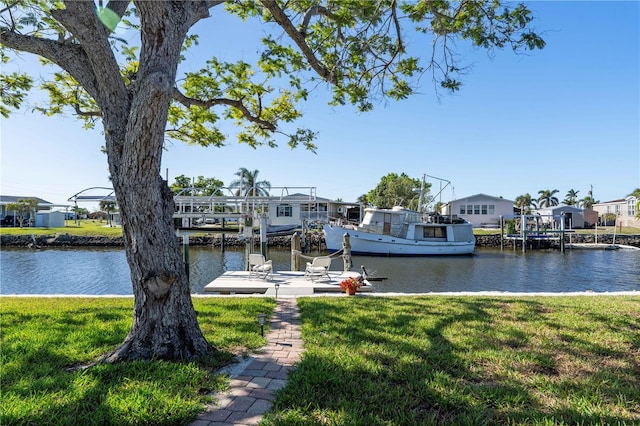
(441, 187)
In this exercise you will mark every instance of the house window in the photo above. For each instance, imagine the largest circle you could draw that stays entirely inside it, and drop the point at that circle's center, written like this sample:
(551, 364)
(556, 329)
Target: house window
(469, 209)
(631, 208)
(462, 210)
(484, 209)
(476, 209)
(492, 209)
(284, 210)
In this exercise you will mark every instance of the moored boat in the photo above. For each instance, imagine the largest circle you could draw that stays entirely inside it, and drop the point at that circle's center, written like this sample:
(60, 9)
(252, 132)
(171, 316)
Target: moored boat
(402, 232)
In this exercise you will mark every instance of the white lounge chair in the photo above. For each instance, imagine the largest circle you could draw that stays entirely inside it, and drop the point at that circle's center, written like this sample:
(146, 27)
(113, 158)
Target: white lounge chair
(318, 268)
(259, 266)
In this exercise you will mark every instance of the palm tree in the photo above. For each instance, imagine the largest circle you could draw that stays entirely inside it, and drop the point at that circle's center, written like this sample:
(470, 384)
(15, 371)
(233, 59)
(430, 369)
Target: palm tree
(524, 202)
(363, 199)
(587, 202)
(571, 198)
(109, 207)
(547, 198)
(248, 184)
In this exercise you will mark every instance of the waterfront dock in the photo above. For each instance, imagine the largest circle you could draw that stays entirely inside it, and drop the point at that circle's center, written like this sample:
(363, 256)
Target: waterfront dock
(287, 283)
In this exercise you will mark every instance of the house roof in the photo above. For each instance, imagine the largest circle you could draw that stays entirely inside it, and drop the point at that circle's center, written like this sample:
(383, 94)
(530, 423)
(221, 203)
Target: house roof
(618, 201)
(560, 207)
(302, 197)
(7, 199)
(484, 196)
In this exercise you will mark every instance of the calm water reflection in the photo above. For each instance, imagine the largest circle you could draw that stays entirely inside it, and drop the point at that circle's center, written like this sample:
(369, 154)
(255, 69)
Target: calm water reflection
(105, 271)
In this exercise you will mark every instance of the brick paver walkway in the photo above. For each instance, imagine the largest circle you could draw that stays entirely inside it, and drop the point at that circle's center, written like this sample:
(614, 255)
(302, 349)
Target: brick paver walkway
(251, 390)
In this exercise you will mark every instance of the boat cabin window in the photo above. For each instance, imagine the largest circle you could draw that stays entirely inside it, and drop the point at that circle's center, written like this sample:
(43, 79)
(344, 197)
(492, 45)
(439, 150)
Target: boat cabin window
(435, 232)
(284, 210)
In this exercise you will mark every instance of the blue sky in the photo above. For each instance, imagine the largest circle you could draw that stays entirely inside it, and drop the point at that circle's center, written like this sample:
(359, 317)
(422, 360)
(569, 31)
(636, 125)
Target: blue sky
(566, 117)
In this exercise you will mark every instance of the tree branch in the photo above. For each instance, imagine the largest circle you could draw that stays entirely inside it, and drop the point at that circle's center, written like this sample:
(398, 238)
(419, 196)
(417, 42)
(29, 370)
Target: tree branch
(80, 19)
(70, 57)
(299, 39)
(237, 104)
(82, 113)
(118, 6)
(313, 11)
(396, 24)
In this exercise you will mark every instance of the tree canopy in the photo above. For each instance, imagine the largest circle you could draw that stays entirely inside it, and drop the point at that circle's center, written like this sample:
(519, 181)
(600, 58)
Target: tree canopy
(200, 186)
(358, 47)
(525, 202)
(135, 91)
(24, 209)
(396, 190)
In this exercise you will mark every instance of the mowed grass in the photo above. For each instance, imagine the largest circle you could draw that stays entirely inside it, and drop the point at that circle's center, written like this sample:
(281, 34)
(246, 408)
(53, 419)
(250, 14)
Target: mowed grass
(465, 361)
(45, 340)
(368, 361)
(83, 228)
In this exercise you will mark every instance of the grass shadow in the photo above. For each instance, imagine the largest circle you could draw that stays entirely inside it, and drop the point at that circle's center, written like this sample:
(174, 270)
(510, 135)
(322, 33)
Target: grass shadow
(458, 360)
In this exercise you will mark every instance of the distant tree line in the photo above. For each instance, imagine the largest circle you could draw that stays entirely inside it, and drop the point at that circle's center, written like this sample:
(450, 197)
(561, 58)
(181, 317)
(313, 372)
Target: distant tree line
(246, 184)
(392, 190)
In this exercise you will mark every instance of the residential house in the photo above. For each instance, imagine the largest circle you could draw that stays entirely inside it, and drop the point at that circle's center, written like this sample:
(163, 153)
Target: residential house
(296, 208)
(285, 210)
(624, 209)
(481, 210)
(7, 217)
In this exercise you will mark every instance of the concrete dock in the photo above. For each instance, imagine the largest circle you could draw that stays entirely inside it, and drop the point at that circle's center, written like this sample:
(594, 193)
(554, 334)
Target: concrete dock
(288, 283)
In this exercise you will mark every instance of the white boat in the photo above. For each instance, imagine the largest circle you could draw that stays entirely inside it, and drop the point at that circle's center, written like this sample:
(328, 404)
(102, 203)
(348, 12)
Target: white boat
(402, 232)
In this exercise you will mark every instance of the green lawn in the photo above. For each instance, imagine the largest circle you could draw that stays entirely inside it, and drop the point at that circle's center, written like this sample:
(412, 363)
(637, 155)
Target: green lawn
(45, 340)
(83, 228)
(368, 361)
(466, 361)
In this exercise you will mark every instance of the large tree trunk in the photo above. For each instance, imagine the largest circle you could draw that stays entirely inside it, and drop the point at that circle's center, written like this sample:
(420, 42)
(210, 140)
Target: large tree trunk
(164, 322)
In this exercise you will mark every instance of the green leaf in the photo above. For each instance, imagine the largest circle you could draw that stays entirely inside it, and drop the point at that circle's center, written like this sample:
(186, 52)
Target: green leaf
(108, 17)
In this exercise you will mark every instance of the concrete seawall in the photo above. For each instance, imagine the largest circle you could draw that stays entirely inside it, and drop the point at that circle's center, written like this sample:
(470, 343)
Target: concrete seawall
(231, 240)
(494, 240)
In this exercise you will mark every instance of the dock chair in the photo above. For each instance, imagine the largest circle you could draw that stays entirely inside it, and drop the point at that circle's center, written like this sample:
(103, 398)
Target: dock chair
(259, 266)
(318, 268)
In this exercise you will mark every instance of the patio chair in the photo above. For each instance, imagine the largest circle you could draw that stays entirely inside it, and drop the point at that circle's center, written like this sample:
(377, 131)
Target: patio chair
(318, 268)
(259, 266)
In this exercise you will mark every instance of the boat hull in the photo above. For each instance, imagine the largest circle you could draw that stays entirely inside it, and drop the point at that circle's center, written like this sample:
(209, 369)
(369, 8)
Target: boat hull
(365, 243)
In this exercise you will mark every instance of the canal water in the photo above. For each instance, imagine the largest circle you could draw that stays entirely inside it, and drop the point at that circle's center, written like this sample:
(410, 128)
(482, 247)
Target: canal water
(104, 271)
